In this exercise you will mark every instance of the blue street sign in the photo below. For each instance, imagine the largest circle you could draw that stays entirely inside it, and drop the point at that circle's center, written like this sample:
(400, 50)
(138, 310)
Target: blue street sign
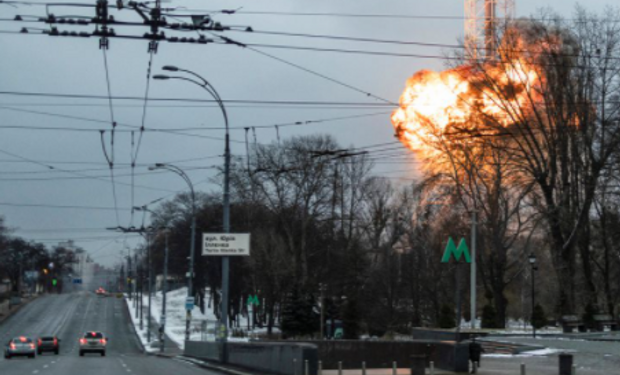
(189, 303)
(77, 281)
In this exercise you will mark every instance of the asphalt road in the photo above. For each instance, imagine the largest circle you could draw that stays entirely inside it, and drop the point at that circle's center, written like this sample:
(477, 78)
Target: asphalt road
(70, 315)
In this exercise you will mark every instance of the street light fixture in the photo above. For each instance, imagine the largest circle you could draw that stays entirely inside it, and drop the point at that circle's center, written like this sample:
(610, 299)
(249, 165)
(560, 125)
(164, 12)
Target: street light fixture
(190, 281)
(204, 84)
(532, 260)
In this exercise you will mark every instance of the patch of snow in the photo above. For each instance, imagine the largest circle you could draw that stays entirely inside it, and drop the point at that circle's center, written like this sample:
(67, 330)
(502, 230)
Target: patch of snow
(176, 319)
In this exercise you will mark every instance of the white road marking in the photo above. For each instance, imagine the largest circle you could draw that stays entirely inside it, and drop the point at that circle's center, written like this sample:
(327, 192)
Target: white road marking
(35, 371)
(46, 366)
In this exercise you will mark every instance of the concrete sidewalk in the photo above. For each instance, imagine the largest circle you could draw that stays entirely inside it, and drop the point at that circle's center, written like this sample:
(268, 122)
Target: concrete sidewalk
(509, 365)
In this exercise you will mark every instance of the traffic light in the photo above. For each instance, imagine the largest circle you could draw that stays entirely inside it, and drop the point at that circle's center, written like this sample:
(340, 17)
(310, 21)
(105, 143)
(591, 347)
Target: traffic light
(54, 282)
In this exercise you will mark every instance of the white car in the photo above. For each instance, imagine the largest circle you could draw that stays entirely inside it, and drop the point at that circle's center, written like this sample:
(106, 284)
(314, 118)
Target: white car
(93, 342)
(20, 346)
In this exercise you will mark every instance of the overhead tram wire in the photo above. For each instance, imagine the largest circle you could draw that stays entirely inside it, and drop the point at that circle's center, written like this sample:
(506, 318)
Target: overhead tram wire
(98, 178)
(110, 158)
(74, 162)
(86, 177)
(194, 100)
(212, 128)
(134, 157)
(317, 74)
(173, 132)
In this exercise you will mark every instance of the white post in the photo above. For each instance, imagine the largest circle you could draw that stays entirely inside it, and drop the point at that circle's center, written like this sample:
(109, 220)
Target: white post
(339, 368)
(294, 366)
(472, 277)
(394, 368)
(306, 368)
(364, 368)
(574, 370)
(432, 366)
(319, 370)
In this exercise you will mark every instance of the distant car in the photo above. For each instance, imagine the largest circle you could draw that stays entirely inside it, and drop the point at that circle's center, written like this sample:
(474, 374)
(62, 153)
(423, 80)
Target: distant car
(101, 292)
(20, 346)
(48, 344)
(93, 342)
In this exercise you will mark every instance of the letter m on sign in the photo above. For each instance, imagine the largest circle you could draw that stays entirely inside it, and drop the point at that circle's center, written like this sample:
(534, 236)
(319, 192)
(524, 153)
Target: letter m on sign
(451, 249)
(253, 300)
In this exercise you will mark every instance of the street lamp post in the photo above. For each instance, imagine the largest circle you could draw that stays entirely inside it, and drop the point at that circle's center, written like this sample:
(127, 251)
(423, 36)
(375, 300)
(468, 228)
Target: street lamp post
(163, 292)
(190, 281)
(162, 323)
(203, 83)
(532, 260)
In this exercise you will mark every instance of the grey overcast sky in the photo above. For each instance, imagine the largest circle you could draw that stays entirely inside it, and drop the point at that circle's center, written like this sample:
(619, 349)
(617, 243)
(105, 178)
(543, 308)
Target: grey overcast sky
(43, 64)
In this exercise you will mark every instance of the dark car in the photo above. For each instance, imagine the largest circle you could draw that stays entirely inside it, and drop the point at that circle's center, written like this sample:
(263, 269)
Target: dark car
(93, 342)
(48, 344)
(19, 346)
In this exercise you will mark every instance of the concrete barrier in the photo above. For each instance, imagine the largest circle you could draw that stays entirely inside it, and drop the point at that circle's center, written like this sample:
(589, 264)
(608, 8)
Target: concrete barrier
(435, 334)
(269, 357)
(446, 355)
(210, 351)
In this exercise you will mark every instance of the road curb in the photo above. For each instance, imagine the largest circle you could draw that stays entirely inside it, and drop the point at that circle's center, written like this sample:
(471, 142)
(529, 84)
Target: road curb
(205, 365)
(133, 327)
(14, 311)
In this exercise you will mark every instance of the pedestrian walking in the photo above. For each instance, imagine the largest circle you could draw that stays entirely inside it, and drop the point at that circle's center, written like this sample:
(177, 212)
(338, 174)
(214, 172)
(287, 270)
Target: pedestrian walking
(475, 352)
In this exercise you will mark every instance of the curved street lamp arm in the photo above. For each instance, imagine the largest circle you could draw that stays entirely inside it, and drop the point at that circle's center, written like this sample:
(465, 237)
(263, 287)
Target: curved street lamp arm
(184, 176)
(207, 87)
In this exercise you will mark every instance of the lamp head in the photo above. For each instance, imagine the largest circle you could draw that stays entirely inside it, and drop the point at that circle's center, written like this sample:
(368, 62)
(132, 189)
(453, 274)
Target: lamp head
(170, 68)
(161, 77)
(532, 259)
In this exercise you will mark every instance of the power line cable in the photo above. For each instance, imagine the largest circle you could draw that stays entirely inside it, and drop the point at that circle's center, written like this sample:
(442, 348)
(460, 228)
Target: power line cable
(134, 157)
(50, 166)
(111, 158)
(315, 73)
(189, 100)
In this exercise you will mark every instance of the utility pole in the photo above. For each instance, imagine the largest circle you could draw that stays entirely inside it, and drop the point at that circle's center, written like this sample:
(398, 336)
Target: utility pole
(135, 282)
(322, 288)
(163, 292)
(472, 280)
(129, 277)
(150, 281)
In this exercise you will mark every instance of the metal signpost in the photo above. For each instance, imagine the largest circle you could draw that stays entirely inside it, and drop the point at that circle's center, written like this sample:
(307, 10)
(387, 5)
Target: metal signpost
(251, 302)
(462, 251)
(225, 245)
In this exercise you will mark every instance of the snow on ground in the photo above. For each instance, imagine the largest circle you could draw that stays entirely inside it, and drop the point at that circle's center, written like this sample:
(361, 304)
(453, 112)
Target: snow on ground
(532, 353)
(142, 334)
(513, 327)
(176, 319)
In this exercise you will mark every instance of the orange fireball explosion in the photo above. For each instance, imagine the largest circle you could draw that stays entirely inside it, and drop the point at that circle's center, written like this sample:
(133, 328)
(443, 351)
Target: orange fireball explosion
(488, 97)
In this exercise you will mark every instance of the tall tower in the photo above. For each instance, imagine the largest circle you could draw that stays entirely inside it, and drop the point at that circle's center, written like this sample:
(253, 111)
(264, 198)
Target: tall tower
(482, 17)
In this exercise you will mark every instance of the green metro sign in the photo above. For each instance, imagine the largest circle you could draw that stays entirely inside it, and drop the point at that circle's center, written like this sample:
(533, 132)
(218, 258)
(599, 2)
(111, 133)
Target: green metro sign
(253, 300)
(451, 249)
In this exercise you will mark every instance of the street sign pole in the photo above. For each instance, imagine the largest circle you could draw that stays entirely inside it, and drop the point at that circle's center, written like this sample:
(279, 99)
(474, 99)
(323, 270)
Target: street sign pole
(460, 252)
(458, 300)
(472, 280)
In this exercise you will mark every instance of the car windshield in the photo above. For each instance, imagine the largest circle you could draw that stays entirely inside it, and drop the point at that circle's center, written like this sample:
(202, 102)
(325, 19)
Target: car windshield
(93, 335)
(22, 340)
(47, 339)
